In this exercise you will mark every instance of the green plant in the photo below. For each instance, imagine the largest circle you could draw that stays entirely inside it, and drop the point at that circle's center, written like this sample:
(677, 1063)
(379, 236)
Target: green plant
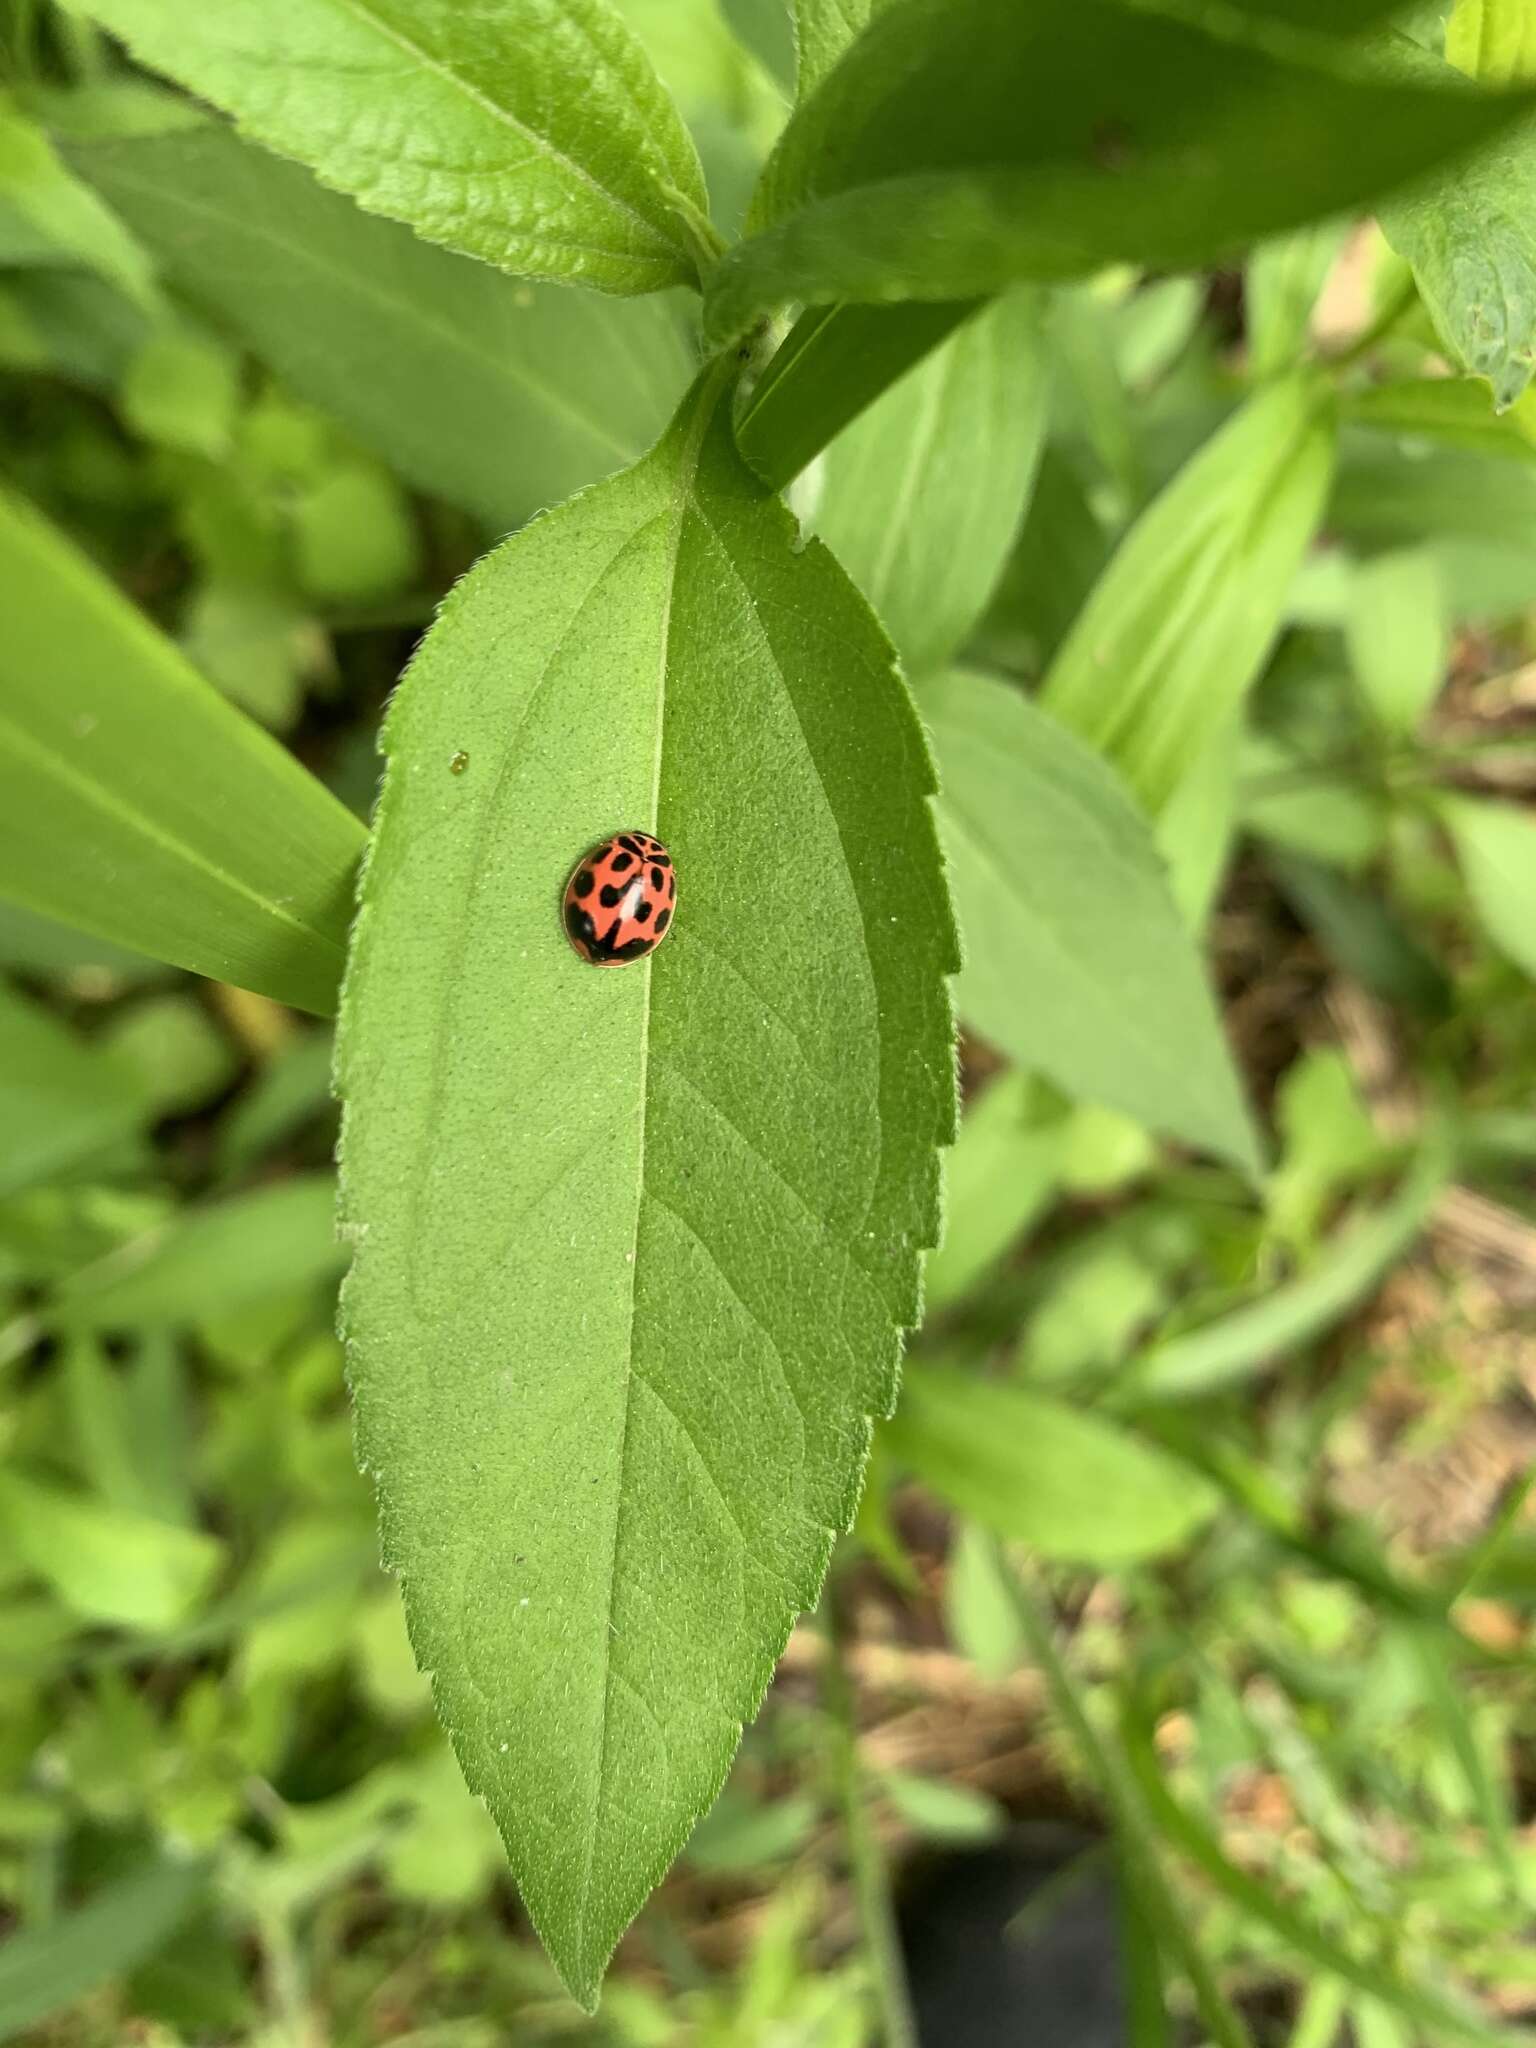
(633, 1254)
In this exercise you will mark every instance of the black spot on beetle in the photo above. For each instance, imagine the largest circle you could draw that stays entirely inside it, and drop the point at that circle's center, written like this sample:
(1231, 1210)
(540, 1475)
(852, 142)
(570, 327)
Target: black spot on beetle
(578, 923)
(584, 882)
(642, 910)
(628, 839)
(662, 922)
(620, 862)
(656, 880)
(608, 895)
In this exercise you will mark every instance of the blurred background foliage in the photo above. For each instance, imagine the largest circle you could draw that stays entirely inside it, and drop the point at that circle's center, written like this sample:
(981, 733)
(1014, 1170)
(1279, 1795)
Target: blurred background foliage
(1266, 1459)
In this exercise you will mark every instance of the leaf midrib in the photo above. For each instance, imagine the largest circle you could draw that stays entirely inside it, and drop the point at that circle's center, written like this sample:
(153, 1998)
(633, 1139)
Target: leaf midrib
(360, 12)
(686, 471)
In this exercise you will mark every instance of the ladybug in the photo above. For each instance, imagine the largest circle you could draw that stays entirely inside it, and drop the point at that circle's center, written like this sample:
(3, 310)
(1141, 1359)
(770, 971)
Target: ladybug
(620, 898)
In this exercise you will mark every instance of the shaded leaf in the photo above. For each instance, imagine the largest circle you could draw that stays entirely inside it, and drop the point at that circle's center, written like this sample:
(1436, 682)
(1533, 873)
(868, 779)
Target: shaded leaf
(532, 133)
(501, 397)
(922, 496)
(44, 1968)
(964, 144)
(614, 1437)
(211, 1261)
(116, 757)
(1179, 625)
(1077, 961)
(70, 222)
(1069, 1483)
(1283, 280)
(834, 362)
(60, 1102)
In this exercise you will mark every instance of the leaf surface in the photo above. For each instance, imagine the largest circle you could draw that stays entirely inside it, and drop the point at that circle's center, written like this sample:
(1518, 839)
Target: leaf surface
(1077, 961)
(1181, 622)
(823, 31)
(501, 397)
(922, 497)
(634, 1245)
(1069, 1483)
(117, 760)
(1469, 235)
(60, 1101)
(50, 1965)
(834, 362)
(1496, 845)
(962, 145)
(531, 133)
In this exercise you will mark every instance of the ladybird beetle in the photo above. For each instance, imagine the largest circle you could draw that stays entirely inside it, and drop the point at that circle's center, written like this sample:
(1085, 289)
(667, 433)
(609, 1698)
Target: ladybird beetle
(620, 898)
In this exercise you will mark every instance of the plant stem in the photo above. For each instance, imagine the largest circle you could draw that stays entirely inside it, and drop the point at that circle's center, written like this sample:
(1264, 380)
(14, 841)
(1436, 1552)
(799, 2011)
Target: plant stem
(1375, 330)
(866, 1858)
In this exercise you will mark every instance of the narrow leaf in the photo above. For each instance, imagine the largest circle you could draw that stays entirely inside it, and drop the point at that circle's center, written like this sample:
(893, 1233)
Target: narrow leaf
(1183, 619)
(1077, 961)
(1496, 845)
(922, 497)
(834, 362)
(1240, 1345)
(211, 1261)
(36, 187)
(1492, 39)
(501, 397)
(1281, 287)
(117, 759)
(633, 1246)
(961, 145)
(44, 1968)
(1436, 2016)
(532, 133)
(1069, 1483)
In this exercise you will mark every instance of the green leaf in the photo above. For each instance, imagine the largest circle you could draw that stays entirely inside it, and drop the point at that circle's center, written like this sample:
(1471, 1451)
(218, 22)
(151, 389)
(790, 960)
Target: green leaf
(1436, 2016)
(1469, 235)
(69, 219)
(823, 31)
(1283, 281)
(614, 1436)
(1069, 1483)
(45, 1968)
(1241, 1345)
(1182, 621)
(175, 1049)
(60, 1102)
(964, 144)
(1077, 961)
(212, 1261)
(1000, 1177)
(498, 396)
(106, 1563)
(531, 133)
(978, 1606)
(1494, 40)
(922, 497)
(943, 1812)
(834, 362)
(1398, 636)
(116, 758)
(181, 391)
(1496, 845)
